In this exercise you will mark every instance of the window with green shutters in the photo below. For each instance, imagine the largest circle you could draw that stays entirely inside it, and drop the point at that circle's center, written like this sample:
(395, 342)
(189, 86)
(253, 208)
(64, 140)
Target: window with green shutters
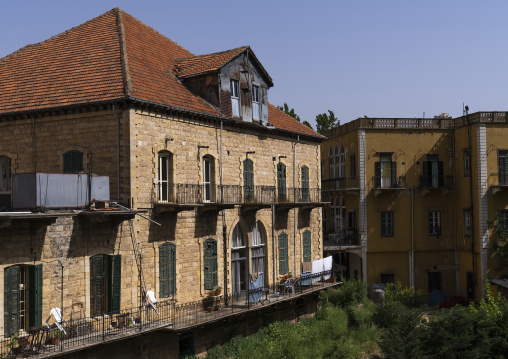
(305, 184)
(105, 284)
(281, 182)
(73, 161)
(22, 298)
(167, 270)
(248, 179)
(210, 262)
(283, 254)
(307, 252)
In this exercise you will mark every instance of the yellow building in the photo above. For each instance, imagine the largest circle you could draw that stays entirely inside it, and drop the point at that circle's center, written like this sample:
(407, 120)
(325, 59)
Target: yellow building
(401, 194)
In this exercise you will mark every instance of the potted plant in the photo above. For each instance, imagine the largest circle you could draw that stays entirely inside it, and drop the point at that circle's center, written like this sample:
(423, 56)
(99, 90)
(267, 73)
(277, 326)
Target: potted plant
(55, 340)
(13, 342)
(209, 309)
(332, 279)
(218, 290)
(290, 275)
(217, 307)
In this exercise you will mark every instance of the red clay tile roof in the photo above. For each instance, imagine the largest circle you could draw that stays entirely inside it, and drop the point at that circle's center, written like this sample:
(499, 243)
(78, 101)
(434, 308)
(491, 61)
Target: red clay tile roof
(110, 57)
(281, 120)
(205, 63)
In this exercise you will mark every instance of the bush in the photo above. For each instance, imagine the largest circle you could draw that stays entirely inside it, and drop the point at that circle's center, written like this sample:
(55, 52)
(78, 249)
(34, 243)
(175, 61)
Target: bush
(406, 296)
(350, 293)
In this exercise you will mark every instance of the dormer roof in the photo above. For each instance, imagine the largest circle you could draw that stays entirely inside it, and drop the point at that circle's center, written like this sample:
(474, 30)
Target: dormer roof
(209, 63)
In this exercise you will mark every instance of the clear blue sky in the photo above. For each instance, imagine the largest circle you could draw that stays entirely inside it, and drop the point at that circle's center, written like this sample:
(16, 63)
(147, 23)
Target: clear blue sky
(382, 58)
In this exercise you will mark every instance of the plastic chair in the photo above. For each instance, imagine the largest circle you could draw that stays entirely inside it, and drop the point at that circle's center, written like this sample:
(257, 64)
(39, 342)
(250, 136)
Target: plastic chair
(59, 320)
(151, 300)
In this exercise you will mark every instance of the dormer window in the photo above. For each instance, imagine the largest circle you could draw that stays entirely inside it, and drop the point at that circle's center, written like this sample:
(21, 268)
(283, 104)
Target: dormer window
(255, 103)
(235, 97)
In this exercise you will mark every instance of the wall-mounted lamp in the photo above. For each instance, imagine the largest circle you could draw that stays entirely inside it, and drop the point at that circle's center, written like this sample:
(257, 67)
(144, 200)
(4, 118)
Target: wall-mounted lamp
(282, 157)
(250, 152)
(171, 139)
(200, 146)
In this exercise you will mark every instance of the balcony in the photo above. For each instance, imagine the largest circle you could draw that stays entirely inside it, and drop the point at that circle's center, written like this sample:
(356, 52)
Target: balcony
(348, 237)
(436, 182)
(170, 316)
(498, 181)
(384, 183)
(177, 197)
(345, 184)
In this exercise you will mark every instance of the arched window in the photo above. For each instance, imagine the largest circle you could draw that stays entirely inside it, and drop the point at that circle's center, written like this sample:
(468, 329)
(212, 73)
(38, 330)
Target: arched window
(210, 264)
(73, 161)
(238, 260)
(208, 179)
(342, 162)
(5, 181)
(258, 248)
(167, 270)
(166, 190)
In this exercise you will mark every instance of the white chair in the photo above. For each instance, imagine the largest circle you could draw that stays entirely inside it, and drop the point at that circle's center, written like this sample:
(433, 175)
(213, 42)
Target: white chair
(151, 300)
(59, 320)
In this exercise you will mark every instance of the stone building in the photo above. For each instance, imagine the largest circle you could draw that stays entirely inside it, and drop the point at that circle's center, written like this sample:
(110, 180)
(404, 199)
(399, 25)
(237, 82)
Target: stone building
(220, 183)
(411, 199)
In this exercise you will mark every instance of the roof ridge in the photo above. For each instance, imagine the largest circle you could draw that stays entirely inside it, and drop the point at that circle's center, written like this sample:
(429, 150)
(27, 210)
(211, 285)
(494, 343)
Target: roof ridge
(212, 53)
(152, 29)
(127, 83)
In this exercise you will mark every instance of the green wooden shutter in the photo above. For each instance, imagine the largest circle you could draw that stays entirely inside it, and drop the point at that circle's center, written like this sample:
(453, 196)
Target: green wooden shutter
(163, 271)
(307, 252)
(248, 179)
(115, 282)
(73, 161)
(171, 268)
(440, 174)
(305, 184)
(96, 285)
(393, 169)
(281, 181)
(35, 296)
(11, 300)
(283, 253)
(210, 264)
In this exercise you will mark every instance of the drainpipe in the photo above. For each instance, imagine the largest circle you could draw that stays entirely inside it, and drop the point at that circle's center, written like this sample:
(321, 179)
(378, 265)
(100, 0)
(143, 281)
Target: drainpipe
(412, 268)
(294, 195)
(471, 197)
(273, 245)
(117, 154)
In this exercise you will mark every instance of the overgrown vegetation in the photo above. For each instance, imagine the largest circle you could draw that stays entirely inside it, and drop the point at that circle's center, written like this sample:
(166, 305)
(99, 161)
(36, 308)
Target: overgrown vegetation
(335, 332)
(349, 325)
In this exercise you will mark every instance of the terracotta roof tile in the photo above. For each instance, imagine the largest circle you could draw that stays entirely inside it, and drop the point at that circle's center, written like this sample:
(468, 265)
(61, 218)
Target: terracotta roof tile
(281, 120)
(205, 63)
(111, 57)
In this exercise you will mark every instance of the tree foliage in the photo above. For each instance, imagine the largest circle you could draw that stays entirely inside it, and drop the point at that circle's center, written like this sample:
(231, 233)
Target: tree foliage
(291, 112)
(325, 122)
(500, 246)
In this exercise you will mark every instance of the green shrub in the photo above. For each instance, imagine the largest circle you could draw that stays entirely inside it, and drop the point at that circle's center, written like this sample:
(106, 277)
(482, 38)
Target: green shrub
(350, 293)
(394, 292)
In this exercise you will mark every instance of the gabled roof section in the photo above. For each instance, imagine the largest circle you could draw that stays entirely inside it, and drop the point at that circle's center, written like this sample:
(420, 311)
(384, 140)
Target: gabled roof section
(112, 56)
(203, 64)
(280, 120)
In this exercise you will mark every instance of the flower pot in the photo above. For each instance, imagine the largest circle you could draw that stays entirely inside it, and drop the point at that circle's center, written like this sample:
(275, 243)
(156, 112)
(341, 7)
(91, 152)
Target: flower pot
(55, 341)
(209, 309)
(217, 292)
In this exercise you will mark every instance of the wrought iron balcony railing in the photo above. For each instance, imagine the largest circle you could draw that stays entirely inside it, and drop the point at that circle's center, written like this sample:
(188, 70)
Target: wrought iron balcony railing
(387, 182)
(345, 237)
(188, 194)
(90, 331)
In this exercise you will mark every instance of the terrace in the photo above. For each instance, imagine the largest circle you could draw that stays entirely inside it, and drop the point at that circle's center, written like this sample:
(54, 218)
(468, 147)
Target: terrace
(84, 333)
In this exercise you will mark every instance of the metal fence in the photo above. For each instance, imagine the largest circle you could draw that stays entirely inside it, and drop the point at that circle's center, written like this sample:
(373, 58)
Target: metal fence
(43, 341)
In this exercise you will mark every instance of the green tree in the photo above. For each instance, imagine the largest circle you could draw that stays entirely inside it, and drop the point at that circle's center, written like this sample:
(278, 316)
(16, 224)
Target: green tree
(325, 122)
(291, 112)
